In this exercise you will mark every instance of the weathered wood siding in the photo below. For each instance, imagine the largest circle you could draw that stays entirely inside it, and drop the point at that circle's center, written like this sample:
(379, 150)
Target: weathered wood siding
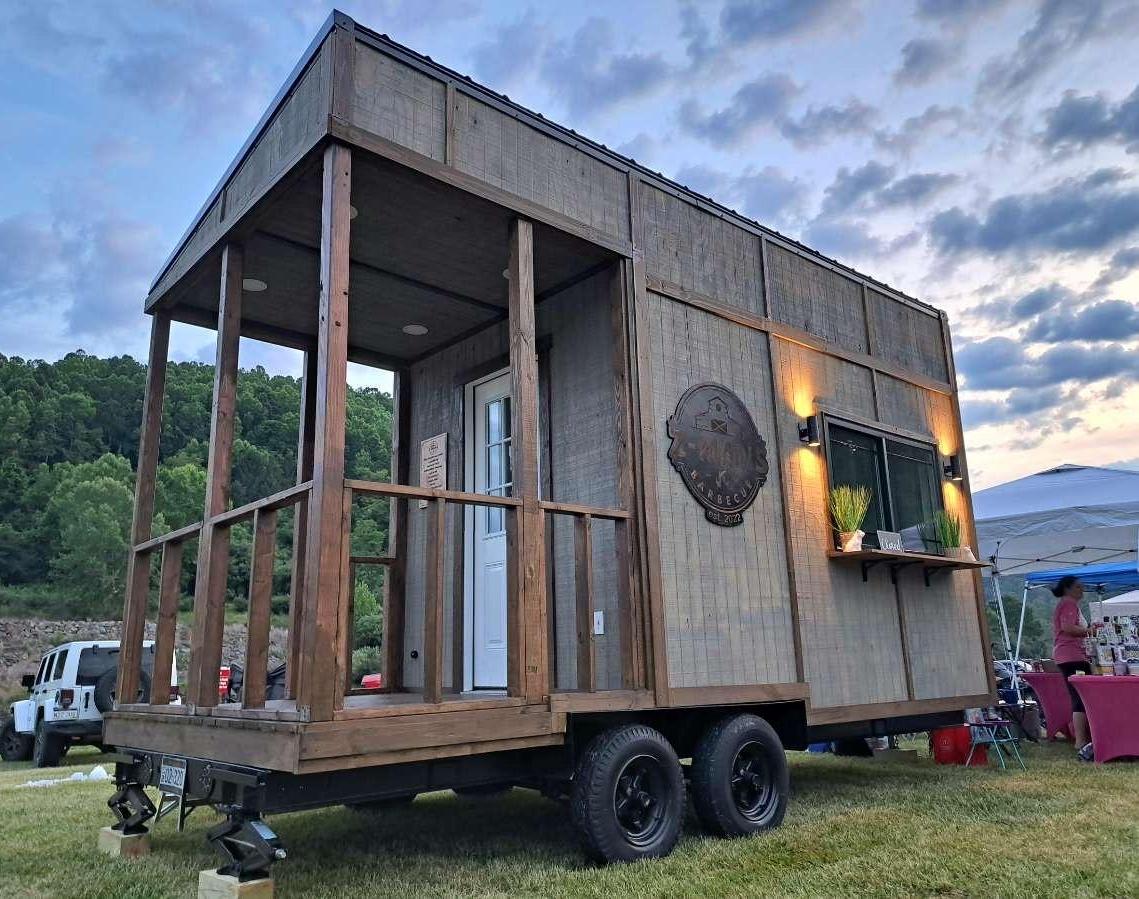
(293, 131)
(907, 337)
(398, 102)
(852, 645)
(701, 252)
(816, 299)
(577, 425)
(726, 599)
(509, 154)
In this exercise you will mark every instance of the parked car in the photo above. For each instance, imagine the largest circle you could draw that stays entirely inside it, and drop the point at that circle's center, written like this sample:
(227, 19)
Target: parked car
(72, 689)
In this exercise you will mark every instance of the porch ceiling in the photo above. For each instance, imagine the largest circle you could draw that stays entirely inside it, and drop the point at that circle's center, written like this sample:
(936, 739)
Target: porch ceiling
(422, 252)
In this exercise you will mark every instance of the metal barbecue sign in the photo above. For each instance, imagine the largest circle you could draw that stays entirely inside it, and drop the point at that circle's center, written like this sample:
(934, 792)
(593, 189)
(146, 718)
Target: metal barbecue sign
(717, 451)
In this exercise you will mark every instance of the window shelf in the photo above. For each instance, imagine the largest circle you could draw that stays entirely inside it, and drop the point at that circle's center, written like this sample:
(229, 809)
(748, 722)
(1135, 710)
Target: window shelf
(894, 561)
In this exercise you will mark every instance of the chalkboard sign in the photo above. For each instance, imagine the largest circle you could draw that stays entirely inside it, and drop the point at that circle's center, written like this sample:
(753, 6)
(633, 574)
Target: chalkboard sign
(890, 541)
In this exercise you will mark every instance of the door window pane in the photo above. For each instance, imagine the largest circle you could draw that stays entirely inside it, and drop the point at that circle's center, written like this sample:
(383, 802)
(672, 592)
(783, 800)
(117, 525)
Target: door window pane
(856, 459)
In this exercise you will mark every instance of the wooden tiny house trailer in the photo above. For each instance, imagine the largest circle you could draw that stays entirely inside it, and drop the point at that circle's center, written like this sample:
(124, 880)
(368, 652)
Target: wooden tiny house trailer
(601, 378)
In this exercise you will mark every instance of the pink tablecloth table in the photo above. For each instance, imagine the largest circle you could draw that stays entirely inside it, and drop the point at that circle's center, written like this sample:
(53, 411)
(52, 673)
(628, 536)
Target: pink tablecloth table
(1112, 704)
(1052, 691)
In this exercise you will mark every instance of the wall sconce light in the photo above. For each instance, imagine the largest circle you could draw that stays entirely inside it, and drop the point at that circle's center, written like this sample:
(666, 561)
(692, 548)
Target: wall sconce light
(952, 468)
(809, 431)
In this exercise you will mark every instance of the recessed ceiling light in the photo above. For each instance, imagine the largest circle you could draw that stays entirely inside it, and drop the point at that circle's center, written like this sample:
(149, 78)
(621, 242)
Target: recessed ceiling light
(353, 212)
(415, 330)
(253, 285)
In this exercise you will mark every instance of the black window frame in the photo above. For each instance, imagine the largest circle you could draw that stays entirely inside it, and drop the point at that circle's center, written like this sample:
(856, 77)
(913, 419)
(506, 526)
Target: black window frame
(882, 437)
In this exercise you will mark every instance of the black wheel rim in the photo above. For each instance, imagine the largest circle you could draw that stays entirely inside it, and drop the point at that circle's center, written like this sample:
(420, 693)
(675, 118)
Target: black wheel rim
(11, 742)
(640, 798)
(752, 788)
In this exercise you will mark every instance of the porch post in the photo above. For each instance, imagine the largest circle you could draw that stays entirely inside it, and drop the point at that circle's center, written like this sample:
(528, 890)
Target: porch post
(295, 656)
(318, 689)
(527, 661)
(213, 543)
(396, 581)
(138, 566)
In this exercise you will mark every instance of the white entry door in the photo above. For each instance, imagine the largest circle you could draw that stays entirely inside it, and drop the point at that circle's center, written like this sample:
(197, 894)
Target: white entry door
(488, 471)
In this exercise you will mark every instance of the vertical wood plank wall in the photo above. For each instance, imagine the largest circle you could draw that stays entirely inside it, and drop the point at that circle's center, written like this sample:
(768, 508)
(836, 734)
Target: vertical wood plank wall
(727, 607)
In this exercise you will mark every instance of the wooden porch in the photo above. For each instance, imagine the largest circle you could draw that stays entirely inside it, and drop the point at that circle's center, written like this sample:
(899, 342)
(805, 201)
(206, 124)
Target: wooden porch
(436, 714)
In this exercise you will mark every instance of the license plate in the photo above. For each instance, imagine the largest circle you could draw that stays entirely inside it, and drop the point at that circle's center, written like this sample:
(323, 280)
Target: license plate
(66, 714)
(172, 775)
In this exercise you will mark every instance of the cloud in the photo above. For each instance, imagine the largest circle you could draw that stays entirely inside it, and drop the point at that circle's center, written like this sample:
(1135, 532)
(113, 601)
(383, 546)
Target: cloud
(1060, 28)
(745, 22)
(590, 76)
(842, 239)
(1122, 263)
(913, 130)
(1082, 121)
(955, 11)
(760, 102)
(768, 195)
(512, 52)
(923, 59)
(1001, 363)
(1078, 214)
(873, 186)
(1008, 310)
(1106, 321)
(851, 187)
(819, 124)
(698, 43)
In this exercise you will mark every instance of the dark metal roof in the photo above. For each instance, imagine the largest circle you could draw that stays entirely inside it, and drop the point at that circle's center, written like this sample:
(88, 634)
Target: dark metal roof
(535, 119)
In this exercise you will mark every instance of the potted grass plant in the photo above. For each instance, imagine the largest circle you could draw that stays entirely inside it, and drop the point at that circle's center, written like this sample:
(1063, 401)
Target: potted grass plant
(848, 506)
(948, 530)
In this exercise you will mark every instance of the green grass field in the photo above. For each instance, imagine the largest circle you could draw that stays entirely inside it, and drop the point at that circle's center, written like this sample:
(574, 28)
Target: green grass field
(854, 827)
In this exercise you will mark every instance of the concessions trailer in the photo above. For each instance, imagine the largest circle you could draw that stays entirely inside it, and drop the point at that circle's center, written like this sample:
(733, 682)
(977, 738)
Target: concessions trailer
(618, 408)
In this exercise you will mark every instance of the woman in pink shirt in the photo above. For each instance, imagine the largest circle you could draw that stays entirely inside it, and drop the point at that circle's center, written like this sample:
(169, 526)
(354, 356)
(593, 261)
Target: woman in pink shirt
(1069, 628)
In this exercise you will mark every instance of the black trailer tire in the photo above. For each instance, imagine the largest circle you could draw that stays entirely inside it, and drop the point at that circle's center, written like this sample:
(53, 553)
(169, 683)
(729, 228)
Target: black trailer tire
(47, 748)
(740, 782)
(105, 689)
(14, 746)
(627, 798)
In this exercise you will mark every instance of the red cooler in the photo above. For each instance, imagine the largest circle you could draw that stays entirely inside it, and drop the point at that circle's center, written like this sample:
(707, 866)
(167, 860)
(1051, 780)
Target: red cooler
(951, 746)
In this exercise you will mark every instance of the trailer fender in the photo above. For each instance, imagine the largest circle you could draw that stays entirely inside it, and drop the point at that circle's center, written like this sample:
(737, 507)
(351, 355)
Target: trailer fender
(24, 716)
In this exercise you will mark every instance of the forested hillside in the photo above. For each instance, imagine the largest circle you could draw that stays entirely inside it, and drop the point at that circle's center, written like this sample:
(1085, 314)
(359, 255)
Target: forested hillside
(68, 446)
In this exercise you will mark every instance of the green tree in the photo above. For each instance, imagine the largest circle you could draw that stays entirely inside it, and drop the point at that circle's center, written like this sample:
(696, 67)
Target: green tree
(1036, 640)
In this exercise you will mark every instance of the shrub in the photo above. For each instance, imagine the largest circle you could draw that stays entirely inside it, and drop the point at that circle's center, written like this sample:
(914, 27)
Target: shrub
(365, 661)
(369, 630)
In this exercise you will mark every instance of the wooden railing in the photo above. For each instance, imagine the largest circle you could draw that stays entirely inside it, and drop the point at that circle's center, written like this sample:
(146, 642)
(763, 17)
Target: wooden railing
(263, 514)
(434, 563)
(584, 604)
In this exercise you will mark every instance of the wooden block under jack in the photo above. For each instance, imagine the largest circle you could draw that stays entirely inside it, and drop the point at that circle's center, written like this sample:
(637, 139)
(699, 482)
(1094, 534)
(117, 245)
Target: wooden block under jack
(212, 885)
(123, 845)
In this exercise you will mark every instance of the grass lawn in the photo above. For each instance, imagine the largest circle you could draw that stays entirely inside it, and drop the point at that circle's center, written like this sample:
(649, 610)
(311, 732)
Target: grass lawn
(854, 827)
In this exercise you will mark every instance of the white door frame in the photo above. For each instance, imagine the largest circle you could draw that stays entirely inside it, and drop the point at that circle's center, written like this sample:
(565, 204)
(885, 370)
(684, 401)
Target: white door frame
(470, 452)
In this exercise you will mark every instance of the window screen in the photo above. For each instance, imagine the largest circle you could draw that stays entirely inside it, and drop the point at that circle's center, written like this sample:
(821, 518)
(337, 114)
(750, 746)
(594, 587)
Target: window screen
(905, 487)
(856, 459)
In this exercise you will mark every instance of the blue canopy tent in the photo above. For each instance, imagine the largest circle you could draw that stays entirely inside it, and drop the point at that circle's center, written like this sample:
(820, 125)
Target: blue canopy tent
(1102, 577)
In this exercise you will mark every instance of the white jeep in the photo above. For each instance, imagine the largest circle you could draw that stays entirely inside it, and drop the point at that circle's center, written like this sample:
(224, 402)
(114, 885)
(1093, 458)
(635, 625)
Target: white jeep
(74, 686)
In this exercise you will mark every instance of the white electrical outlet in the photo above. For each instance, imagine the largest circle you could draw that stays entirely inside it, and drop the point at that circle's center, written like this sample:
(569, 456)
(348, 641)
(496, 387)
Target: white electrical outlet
(598, 623)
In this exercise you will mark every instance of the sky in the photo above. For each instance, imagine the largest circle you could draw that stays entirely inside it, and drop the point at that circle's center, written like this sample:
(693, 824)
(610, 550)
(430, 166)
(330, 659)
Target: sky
(978, 154)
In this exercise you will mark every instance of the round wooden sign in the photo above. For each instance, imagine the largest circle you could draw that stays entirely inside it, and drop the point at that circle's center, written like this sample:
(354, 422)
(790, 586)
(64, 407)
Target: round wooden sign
(717, 451)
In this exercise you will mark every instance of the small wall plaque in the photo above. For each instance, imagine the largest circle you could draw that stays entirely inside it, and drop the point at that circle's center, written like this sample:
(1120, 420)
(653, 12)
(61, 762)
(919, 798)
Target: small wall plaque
(433, 464)
(890, 541)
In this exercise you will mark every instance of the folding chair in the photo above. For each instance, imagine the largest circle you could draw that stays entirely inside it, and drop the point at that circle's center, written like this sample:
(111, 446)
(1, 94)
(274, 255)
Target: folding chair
(987, 728)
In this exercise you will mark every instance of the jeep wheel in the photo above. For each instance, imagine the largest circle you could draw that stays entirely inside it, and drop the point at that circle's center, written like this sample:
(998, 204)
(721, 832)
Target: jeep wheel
(47, 749)
(14, 746)
(739, 777)
(628, 795)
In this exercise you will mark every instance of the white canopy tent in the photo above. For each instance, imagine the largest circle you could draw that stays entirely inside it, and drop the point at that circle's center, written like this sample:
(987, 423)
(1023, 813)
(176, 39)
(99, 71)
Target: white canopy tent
(1124, 604)
(1065, 517)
